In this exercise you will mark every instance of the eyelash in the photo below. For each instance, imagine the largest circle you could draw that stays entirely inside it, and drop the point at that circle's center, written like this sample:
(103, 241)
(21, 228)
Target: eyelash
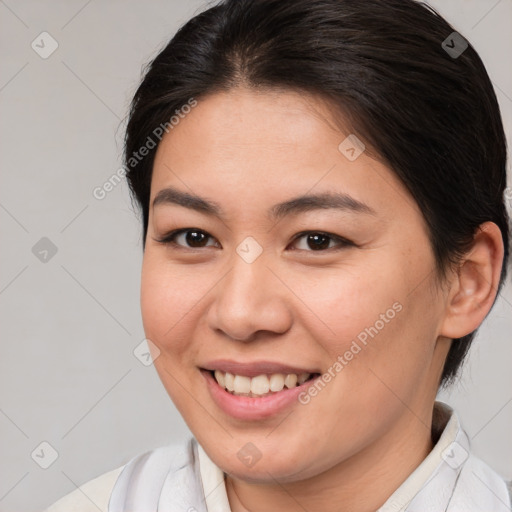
(169, 239)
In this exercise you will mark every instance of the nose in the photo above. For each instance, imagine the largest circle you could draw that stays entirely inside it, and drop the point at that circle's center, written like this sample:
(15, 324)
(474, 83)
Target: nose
(250, 302)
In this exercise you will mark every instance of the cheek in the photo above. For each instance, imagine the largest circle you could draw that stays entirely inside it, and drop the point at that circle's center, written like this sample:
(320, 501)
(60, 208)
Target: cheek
(351, 302)
(168, 296)
(378, 315)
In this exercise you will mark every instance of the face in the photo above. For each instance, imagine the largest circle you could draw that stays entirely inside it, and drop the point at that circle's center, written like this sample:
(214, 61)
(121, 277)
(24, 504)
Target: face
(263, 285)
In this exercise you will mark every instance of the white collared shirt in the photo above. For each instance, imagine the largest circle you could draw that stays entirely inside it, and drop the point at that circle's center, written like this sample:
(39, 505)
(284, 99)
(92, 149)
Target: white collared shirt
(439, 470)
(183, 477)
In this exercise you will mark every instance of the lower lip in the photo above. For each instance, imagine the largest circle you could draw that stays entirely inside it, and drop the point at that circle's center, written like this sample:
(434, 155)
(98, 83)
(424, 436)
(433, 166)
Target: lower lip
(257, 408)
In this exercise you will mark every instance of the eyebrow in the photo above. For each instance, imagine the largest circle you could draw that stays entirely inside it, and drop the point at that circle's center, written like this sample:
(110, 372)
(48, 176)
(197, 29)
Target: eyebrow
(294, 206)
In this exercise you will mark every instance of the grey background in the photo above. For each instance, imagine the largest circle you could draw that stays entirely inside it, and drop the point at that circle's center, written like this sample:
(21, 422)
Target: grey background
(68, 375)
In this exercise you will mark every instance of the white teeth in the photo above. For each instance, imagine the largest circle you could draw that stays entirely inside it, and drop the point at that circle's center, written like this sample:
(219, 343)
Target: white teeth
(242, 384)
(229, 379)
(220, 378)
(291, 380)
(276, 382)
(260, 385)
(303, 377)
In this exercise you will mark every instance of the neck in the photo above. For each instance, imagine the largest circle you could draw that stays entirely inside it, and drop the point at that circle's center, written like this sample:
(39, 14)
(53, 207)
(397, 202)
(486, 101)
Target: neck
(382, 467)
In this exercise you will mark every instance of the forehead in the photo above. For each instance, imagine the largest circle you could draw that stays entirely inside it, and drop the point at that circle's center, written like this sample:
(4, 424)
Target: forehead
(244, 123)
(249, 146)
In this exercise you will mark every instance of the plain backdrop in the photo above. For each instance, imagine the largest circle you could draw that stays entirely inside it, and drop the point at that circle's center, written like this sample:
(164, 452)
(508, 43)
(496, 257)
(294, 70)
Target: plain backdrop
(70, 272)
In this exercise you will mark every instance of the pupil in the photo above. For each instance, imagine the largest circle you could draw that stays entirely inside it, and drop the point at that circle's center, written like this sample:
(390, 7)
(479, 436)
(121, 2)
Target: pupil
(195, 237)
(319, 241)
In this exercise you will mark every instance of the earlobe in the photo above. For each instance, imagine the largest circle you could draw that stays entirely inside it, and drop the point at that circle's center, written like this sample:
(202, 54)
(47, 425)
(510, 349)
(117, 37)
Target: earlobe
(474, 287)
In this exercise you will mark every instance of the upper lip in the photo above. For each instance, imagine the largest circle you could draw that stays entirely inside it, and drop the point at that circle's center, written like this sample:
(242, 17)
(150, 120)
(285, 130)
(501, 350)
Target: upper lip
(254, 368)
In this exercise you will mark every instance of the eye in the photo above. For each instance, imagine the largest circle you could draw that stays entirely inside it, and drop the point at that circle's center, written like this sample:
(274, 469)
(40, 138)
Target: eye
(194, 237)
(320, 241)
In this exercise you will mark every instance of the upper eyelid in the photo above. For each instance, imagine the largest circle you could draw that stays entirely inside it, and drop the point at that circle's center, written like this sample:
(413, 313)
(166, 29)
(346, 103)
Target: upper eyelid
(176, 232)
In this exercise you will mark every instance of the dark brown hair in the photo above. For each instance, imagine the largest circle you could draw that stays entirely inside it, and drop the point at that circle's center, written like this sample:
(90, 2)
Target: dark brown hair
(432, 116)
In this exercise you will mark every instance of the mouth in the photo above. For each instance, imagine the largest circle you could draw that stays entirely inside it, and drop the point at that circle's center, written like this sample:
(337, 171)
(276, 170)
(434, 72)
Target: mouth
(261, 385)
(256, 391)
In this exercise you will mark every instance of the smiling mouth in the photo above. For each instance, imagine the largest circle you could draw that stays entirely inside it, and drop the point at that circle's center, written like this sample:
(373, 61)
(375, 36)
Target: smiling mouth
(261, 385)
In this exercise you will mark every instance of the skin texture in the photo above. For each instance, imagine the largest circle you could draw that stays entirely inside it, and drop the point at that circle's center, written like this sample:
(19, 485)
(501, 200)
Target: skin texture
(370, 426)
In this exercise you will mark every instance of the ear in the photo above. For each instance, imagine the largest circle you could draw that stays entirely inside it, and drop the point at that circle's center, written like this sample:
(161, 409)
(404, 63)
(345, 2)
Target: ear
(473, 289)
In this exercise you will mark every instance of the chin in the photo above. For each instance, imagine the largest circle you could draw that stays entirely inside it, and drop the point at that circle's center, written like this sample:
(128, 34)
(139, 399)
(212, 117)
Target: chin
(268, 464)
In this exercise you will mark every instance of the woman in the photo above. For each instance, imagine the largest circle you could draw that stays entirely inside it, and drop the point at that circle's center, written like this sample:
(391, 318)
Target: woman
(321, 186)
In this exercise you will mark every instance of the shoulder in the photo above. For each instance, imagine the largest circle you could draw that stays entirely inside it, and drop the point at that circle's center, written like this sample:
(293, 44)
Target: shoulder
(480, 488)
(90, 496)
(94, 495)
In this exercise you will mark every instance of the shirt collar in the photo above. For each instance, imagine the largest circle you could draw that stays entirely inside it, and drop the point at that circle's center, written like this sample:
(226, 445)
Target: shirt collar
(451, 447)
(437, 474)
